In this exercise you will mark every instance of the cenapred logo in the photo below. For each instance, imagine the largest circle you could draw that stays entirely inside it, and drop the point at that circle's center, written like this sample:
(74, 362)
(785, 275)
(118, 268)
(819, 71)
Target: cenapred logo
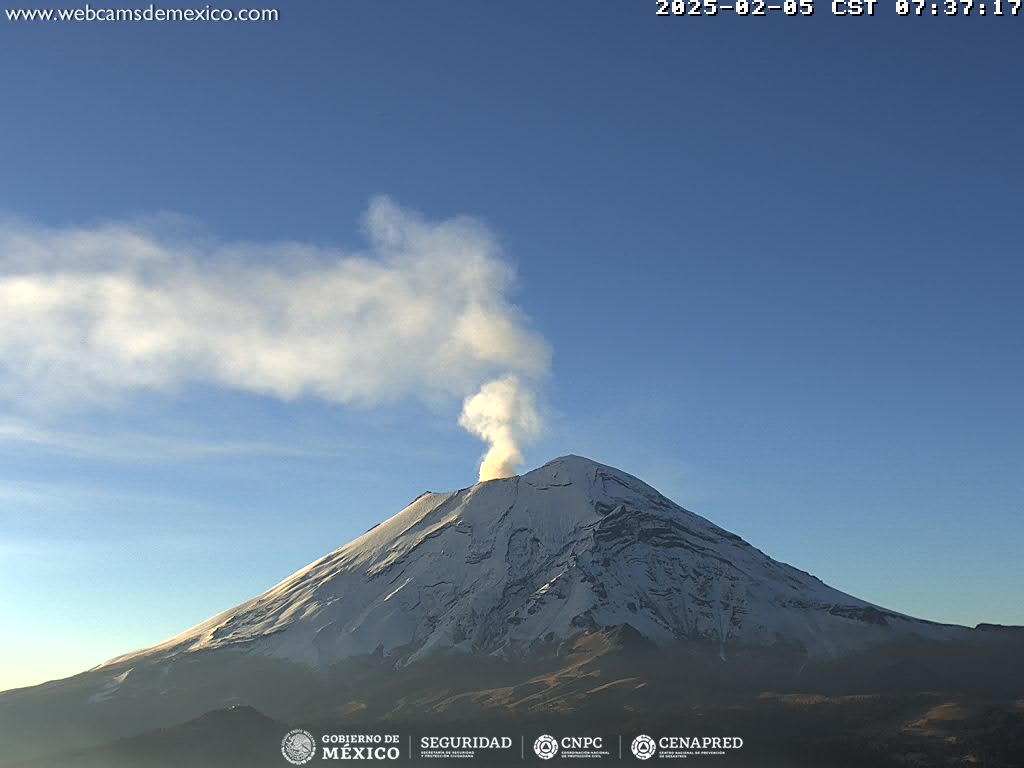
(644, 747)
(298, 747)
(546, 747)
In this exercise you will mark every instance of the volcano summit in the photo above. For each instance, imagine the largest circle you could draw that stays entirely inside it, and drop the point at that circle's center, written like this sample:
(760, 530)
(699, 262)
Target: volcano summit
(574, 590)
(505, 565)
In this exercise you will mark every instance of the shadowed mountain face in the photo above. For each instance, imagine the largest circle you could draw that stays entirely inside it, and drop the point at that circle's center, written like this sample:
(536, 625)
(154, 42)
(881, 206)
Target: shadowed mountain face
(236, 736)
(574, 591)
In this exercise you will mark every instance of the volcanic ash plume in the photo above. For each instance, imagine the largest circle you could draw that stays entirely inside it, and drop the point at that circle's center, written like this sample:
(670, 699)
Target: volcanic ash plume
(503, 414)
(89, 316)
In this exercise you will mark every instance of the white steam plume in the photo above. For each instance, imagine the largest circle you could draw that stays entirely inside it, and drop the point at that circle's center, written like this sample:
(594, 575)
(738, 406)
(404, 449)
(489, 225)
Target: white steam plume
(90, 314)
(503, 414)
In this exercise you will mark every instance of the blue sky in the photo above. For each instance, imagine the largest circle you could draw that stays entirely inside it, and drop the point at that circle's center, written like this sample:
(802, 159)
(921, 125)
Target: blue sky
(777, 262)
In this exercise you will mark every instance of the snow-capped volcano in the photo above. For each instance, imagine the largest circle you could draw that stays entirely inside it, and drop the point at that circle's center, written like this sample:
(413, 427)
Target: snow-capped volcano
(574, 590)
(508, 565)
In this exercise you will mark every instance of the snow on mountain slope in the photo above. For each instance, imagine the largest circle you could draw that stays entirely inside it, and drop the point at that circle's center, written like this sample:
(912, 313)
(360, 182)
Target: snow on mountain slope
(507, 564)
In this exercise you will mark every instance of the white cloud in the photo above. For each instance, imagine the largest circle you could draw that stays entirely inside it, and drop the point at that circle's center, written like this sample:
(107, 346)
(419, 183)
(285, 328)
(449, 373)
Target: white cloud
(88, 315)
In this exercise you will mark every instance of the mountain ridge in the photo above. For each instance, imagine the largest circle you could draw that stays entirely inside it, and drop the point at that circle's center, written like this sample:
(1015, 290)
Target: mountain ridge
(566, 548)
(573, 591)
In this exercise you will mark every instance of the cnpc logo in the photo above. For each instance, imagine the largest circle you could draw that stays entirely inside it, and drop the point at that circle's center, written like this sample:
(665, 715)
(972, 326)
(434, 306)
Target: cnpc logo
(546, 746)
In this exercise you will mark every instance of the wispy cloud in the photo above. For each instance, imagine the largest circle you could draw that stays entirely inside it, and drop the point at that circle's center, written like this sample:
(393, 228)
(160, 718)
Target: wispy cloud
(57, 522)
(66, 554)
(54, 500)
(131, 447)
